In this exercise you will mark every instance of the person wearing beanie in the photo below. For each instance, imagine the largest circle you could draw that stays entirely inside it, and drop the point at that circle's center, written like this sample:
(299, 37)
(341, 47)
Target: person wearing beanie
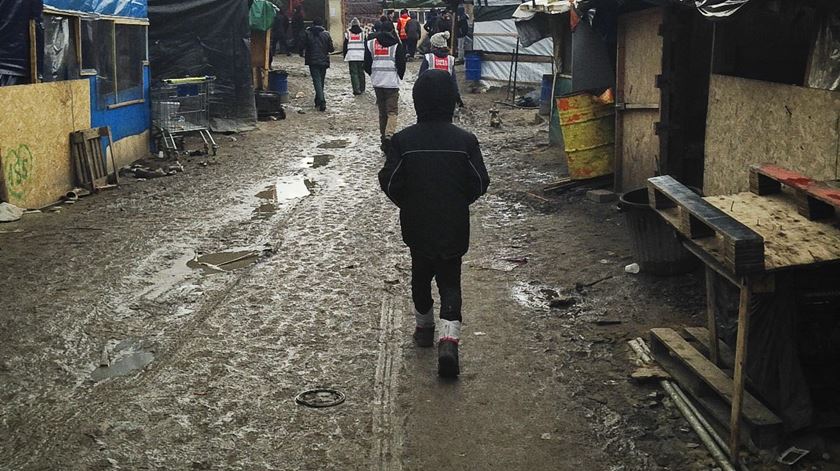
(440, 59)
(385, 63)
(354, 55)
(433, 172)
(316, 48)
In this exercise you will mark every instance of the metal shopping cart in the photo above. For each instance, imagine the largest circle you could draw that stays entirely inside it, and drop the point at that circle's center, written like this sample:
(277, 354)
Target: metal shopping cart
(180, 107)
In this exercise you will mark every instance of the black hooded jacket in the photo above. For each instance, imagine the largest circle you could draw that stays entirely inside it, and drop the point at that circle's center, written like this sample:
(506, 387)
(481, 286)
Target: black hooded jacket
(433, 172)
(316, 46)
(387, 39)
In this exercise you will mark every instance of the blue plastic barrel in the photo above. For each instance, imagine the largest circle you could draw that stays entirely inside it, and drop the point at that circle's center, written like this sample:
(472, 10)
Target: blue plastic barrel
(278, 83)
(545, 94)
(473, 63)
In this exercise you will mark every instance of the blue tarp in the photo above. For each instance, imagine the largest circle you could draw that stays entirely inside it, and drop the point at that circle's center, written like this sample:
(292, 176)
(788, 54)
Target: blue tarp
(126, 8)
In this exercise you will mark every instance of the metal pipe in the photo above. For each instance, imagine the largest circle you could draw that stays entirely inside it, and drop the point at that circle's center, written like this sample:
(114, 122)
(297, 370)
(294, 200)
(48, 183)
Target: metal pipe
(693, 421)
(721, 443)
(515, 69)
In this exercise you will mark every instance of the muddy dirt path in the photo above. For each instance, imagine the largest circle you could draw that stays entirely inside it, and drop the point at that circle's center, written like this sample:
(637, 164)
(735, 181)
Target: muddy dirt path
(120, 350)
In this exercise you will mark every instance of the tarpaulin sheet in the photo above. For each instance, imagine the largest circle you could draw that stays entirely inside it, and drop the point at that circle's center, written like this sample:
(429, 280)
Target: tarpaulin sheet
(14, 35)
(497, 73)
(126, 8)
(825, 56)
(261, 16)
(501, 36)
(206, 37)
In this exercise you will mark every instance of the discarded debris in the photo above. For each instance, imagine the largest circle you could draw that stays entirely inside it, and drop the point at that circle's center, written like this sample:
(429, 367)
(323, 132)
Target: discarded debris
(320, 398)
(607, 322)
(226, 261)
(632, 268)
(562, 302)
(10, 212)
(647, 373)
(546, 436)
(792, 455)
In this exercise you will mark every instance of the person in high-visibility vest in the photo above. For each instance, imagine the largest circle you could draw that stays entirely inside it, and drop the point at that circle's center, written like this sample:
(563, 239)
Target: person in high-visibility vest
(401, 22)
(440, 59)
(385, 63)
(354, 55)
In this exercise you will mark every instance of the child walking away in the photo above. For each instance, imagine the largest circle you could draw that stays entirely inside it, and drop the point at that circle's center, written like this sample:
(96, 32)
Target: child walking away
(433, 172)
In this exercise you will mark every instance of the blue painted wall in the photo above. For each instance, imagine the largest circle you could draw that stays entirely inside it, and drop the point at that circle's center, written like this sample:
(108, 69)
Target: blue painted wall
(126, 120)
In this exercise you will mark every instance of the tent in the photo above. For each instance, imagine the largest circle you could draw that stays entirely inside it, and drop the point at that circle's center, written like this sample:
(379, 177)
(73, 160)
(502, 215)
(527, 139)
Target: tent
(495, 34)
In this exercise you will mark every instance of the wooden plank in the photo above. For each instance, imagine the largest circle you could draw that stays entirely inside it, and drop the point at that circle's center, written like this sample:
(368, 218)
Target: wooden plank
(738, 398)
(742, 248)
(701, 335)
(751, 122)
(638, 62)
(790, 240)
(711, 318)
(754, 411)
(815, 199)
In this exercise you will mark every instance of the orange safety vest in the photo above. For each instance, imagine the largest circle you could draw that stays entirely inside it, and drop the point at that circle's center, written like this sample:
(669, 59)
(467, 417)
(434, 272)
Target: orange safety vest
(401, 26)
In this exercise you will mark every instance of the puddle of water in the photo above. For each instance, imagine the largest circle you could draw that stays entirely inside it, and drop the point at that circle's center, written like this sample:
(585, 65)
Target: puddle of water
(317, 161)
(129, 358)
(224, 261)
(285, 189)
(334, 144)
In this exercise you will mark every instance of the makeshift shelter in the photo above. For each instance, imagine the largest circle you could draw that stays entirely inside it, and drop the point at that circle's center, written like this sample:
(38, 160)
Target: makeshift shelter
(87, 68)
(496, 36)
(207, 37)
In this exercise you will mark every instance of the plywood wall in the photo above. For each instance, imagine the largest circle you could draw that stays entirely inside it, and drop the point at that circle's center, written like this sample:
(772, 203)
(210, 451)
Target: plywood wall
(639, 61)
(35, 126)
(750, 121)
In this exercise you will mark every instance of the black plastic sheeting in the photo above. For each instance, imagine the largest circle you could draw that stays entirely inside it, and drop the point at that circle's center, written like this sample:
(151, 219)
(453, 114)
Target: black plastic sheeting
(206, 37)
(60, 62)
(794, 344)
(14, 35)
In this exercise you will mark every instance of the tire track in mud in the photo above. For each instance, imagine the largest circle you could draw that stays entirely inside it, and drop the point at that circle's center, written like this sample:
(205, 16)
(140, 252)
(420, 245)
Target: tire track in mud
(387, 442)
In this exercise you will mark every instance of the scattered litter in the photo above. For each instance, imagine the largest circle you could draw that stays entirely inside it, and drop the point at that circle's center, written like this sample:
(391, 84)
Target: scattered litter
(13, 231)
(607, 322)
(546, 436)
(479, 334)
(300, 95)
(647, 373)
(55, 209)
(692, 445)
(300, 111)
(632, 268)
(320, 398)
(232, 138)
(392, 282)
(127, 357)
(603, 261)
(580, 286)
(495, 121)
(10, 212)
(226, 261)
(792, 455)
(147, 168)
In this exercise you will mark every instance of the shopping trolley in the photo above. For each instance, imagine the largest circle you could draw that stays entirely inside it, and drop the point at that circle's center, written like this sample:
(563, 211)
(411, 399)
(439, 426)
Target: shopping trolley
(180, 107)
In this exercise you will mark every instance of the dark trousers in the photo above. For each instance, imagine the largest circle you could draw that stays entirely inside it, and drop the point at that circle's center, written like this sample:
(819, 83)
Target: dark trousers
(410, 47)
(357, 76)
(447, 275)
(319, 76)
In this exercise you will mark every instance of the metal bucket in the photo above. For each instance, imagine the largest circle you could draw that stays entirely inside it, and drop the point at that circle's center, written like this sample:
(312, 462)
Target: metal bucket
(656, 247)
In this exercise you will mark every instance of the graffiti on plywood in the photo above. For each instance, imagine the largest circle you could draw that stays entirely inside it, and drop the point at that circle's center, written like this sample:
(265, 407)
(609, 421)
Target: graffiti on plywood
(17, 170)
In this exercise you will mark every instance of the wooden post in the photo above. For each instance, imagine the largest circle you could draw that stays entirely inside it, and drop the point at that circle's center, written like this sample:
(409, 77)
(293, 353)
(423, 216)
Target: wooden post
(740, 362)
(711, 323)
(33, 52)
(267, 62)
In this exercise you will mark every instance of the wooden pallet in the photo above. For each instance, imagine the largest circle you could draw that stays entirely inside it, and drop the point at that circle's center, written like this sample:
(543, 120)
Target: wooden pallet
(814, 199)
(712, 388)
(695, 218)
(90, 165)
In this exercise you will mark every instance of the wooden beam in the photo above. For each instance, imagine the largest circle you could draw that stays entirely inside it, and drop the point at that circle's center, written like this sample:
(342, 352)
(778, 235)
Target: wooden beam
(711, 320)
(742, 248)
(33, 52)
(740, 363)
(815, 199)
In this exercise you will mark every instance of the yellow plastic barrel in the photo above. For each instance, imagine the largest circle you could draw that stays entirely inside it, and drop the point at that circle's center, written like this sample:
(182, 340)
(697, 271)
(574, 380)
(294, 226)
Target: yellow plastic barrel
(588, 125)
